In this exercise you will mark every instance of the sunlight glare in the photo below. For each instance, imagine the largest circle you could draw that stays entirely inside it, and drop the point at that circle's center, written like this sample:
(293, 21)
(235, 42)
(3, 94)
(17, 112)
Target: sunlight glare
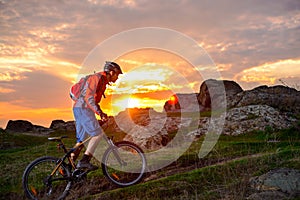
(133, 103)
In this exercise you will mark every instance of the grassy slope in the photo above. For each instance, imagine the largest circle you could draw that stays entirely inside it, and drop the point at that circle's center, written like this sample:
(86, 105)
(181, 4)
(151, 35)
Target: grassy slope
(19, 150)
(222, 176)
(187, 178)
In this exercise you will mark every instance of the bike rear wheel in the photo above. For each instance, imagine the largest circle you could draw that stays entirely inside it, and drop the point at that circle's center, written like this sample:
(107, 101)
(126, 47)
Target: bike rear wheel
(124, 164)
(39, 184)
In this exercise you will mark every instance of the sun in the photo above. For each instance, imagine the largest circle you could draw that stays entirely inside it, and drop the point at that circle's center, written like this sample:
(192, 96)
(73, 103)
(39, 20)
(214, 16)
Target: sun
(133, 103)
(127, 102)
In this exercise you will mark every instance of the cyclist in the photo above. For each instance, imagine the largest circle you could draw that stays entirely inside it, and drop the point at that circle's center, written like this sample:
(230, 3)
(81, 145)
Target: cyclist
(85, 108)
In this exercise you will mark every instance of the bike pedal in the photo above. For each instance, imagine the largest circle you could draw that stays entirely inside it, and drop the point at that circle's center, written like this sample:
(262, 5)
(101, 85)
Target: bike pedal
(78, 173)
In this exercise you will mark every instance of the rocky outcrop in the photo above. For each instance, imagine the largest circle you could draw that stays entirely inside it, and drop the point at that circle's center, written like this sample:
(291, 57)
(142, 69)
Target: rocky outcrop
(19, 126)
(61, 125)
(257, 109)
(147, 128)
(216, 92)
(281, 183)
(255, 117)
(23, 126)
(183, 103)
(245, 119)
(142, 127)
(283, 98)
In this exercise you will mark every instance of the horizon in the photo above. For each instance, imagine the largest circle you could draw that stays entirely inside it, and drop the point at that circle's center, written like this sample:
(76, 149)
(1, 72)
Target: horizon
(253, 43)
(133, 107)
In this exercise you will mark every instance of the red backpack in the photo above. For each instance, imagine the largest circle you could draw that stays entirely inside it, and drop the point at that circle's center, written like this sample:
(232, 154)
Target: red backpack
(76, 89)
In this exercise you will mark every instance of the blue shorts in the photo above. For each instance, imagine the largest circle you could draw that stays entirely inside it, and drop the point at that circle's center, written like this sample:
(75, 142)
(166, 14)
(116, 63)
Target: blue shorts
(86, 123)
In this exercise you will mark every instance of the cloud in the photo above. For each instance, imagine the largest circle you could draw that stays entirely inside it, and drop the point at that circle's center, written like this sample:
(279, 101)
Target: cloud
(37, 90)
(45, 41)
(232, 31)
(272, 73)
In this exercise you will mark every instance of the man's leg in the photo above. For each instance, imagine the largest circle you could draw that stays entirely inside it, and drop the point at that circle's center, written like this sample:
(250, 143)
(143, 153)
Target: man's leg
(92, 127)
(93, 145)
(88, 154)
(80, 132)
(75, 154)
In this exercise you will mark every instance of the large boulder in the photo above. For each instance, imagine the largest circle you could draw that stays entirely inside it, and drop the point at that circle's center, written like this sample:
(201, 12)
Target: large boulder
(217, 92)
(147, 128)
(19, 126)
(249, 118)
(61, 125)
(283, 98)
(183, 103)
(23, 126)
(283, 183)
(142, 127)
(255, 117)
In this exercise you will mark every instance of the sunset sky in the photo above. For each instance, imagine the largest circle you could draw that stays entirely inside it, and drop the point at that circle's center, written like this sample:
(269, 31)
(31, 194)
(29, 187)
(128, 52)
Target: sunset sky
(45, 45)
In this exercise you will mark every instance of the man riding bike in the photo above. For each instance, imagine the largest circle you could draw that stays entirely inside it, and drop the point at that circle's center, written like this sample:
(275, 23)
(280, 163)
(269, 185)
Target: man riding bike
(85, 108)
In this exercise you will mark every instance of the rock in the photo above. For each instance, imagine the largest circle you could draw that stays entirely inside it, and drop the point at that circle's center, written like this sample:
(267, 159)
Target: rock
(147, 128)
(283, 98)
(255, 117)
(41, 130)
(284, 181)
(268, 195)
(245, 119)
(23, 126)
(57, 124)
(19, 126)
(142, 127)
(213, 90)
(61, 125)
(172, 105)
(183, 103)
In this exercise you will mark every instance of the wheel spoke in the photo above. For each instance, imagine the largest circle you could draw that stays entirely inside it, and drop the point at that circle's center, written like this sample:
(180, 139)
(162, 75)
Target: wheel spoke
(38, 184)
(124, 164)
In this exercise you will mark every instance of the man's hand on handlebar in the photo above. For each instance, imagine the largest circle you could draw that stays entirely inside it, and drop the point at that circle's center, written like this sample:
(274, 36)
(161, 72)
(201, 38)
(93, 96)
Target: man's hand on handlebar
(104, 119)
(101, 113)
(103, 116)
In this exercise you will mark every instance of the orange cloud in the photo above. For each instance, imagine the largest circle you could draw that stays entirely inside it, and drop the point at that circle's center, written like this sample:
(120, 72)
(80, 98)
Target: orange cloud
(269, 73)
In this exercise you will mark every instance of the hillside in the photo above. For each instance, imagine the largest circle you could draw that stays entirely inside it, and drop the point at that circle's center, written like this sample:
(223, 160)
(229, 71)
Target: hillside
(225, 173)
(229, 145)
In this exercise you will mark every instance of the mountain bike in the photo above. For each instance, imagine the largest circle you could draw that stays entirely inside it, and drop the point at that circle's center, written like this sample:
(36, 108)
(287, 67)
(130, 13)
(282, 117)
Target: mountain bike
(123, 163)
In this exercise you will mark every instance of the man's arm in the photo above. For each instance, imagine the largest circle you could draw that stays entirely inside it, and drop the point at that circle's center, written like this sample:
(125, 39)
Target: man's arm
(91, 87)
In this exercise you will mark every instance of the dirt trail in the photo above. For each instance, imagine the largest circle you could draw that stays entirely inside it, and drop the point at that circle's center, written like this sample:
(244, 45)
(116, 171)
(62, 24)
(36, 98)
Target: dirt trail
(98, 185)
(172, 170)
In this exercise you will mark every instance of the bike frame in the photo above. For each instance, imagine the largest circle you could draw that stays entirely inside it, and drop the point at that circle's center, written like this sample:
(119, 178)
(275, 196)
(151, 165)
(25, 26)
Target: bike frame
(65, 169)
(68, 153)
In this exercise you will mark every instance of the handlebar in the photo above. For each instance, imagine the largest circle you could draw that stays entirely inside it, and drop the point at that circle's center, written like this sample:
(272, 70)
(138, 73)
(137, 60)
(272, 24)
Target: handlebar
(102, 121)
(57, 138)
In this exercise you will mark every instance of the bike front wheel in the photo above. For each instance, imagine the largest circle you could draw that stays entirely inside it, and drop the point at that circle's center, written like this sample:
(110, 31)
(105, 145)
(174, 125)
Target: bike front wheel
(38, 183)
(124, 164)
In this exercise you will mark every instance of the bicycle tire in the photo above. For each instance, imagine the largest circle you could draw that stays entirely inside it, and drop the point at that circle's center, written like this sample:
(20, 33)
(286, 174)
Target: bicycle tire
(124, 175)
(35, 179)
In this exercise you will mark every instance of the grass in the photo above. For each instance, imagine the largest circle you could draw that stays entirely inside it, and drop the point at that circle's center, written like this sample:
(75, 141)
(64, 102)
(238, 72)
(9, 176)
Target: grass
(22, 150)
(229, 179)
(223, 173)
(212, 182)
